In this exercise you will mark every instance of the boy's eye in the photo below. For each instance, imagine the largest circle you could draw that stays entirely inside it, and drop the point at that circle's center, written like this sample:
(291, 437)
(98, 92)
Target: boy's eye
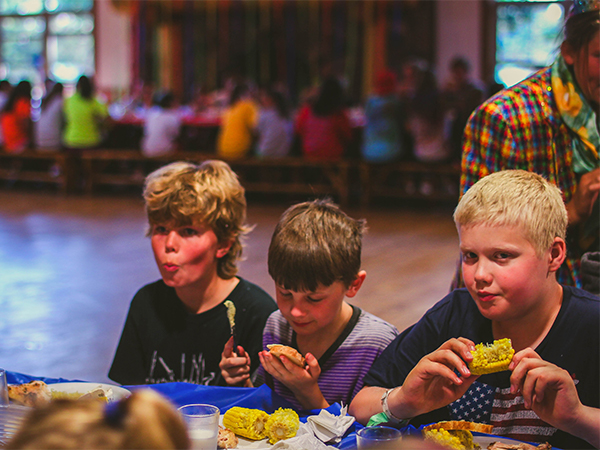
(187, 232)
(502, 255)
(313, 299)
(469, 256)
(286, 294)
(159, 229)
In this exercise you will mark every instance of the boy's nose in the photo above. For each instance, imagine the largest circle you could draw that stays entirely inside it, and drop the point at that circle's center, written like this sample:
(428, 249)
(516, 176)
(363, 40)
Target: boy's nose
(482, 273)
(171, 242)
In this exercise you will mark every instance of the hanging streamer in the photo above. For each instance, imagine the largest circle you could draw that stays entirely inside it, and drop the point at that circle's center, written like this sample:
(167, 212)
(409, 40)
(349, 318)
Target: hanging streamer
(326, 38)
(211, 44)
(279, 40)
(368, 43)
(352, 48)
(313, 42)
(264, 41)
(380, 38)
(290, 50)
(223, 40)
(251, 39)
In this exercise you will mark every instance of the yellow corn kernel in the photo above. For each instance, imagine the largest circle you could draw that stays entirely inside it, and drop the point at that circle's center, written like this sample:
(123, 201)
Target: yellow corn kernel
(282, 424)
(491, 358)
(246, 422)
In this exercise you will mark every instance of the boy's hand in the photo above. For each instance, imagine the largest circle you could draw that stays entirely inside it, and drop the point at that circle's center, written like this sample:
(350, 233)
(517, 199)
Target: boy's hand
(547, 389)
(432, 383)
(301, 381)
(235, 369)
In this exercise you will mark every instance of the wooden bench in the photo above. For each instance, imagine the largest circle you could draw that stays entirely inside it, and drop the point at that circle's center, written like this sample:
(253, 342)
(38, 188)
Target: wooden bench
(409, 180)
(50, 166)
(290, 175)
(125, 167)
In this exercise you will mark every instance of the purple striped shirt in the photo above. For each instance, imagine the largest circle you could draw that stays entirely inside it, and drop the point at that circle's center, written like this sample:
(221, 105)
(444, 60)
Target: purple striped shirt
(343, 372)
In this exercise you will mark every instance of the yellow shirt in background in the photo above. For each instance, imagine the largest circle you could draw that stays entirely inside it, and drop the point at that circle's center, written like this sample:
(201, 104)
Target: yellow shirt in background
(237, 126)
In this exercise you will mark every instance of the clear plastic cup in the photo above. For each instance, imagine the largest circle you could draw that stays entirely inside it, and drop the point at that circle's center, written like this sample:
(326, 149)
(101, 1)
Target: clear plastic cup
(4, 402)
(202, 424)
(378, 437)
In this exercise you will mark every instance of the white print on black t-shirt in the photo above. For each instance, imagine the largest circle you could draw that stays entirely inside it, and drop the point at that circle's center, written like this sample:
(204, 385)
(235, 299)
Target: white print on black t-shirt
(196, 371)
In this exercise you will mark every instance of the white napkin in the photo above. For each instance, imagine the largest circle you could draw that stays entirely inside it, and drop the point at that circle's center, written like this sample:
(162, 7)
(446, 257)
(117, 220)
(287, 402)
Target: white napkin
(329, 427)
(304, 440)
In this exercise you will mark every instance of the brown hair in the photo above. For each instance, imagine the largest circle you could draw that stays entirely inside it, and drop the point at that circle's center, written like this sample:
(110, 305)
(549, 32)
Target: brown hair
(315, 244)
(145, 420)
(580, 29)
(210, 193)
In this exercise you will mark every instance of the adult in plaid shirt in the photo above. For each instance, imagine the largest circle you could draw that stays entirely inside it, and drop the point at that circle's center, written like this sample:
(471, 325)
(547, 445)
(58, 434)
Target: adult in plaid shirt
(548, 124)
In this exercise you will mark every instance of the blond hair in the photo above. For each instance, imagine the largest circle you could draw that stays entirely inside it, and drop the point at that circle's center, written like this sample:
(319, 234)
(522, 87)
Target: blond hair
(145, 420)
(315, 244)
(516, 198)
(210, 193)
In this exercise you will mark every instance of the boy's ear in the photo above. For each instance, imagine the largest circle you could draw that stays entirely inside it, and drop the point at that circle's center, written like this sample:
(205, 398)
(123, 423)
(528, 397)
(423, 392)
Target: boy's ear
(356, 284)
(558, 253)
(224, 248)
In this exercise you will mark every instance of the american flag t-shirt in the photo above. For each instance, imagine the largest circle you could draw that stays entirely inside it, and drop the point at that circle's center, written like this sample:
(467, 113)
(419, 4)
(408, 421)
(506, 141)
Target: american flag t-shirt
(505, 411)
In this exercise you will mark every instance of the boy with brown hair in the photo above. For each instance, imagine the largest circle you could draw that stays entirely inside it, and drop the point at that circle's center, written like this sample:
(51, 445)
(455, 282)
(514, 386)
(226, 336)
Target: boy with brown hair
(315, 262)
(512, 227)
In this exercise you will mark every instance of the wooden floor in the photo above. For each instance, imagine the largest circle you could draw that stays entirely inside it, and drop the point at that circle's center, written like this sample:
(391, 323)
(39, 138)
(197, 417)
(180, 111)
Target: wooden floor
(69, 267)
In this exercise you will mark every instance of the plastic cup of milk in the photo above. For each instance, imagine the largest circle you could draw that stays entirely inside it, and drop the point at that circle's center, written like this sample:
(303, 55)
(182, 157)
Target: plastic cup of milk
(203, 425)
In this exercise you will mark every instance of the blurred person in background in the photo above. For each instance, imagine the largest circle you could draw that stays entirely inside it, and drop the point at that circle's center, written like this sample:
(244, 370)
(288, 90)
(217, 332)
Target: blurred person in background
(16, 119)
(274, 129)
(383, 138)
(238, 122)
(162, 127)
(324, 126)
(49, 127)
(85, 117)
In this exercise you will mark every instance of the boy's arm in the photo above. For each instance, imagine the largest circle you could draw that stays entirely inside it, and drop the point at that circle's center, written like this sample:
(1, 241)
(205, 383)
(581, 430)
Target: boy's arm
(430, 385)
(235, 369)
(551, 393)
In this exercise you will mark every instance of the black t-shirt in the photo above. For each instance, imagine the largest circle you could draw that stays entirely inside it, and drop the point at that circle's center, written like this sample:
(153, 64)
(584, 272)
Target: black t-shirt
(572, 343)
(163, 342)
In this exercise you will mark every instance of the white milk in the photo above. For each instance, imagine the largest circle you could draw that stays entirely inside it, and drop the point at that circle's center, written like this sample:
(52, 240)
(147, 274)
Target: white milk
(203, 439)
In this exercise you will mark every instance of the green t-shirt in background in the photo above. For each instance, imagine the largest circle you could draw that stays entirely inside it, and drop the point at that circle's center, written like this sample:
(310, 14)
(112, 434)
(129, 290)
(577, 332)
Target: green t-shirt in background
(83, 118)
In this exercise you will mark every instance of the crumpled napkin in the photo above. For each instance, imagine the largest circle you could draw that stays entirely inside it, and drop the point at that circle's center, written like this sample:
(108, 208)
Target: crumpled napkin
(305, 439)
(329, 427)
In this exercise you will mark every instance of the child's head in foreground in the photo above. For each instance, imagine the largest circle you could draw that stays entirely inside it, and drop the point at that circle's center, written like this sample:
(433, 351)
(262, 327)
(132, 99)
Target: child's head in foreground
(512, 227)
(145, 420)
(184, 194)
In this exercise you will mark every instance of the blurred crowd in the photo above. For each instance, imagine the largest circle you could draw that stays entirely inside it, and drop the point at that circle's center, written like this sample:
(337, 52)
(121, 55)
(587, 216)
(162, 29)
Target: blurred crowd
(409, 115)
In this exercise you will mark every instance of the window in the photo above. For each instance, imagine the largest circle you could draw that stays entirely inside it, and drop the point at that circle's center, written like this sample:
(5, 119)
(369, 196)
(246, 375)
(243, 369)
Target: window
(528, 37)
(46, 38)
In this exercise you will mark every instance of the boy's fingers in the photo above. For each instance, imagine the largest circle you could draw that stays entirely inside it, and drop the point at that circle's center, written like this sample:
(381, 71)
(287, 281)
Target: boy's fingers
(228, 349)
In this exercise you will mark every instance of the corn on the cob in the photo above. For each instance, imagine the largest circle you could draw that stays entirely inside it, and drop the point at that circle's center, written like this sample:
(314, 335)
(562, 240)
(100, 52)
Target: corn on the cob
(454, 439)
(491, 358)
(282, 424)
(246, 422)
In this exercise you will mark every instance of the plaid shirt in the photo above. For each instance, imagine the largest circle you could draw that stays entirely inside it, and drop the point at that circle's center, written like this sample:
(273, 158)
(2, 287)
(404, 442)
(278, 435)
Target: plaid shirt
(521, 128)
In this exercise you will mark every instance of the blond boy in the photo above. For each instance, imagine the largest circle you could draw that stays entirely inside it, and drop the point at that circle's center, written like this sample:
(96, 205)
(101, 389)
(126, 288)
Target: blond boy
(512, 227)
(178, 326)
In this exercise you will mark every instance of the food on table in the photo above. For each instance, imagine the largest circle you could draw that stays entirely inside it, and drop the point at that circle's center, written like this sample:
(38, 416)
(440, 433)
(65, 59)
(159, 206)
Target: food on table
(490, 358)
(226, 438)
(35, 393)
(282, 424)
(246, 422)
(455, 434)
(291, 353)
(519, 446)
(99, 394)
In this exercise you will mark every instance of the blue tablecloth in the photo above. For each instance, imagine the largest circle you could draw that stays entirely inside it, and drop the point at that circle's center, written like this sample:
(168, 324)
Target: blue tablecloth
(222, 397)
